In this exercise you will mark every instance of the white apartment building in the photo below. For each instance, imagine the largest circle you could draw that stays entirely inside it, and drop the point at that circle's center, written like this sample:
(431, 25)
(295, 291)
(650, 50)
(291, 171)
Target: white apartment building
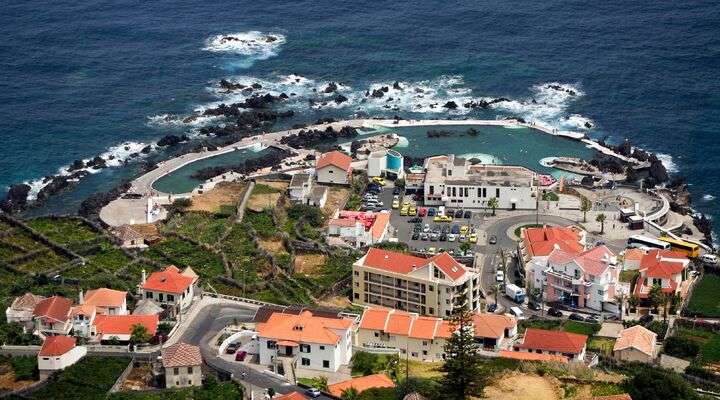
(169, 288)
(428, 286)
(453, 182)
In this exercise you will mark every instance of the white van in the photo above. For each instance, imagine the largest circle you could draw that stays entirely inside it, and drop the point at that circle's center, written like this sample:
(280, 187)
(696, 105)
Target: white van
(709, 259)
(517, 312)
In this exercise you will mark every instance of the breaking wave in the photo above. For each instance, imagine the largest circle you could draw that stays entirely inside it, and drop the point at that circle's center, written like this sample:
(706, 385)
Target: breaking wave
(252, 45)
(708, 197)
(668, 162)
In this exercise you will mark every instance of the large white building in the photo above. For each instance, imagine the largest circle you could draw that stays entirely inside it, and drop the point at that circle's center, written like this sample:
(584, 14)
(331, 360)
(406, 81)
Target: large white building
(169, 288)
(57, 353)
(453, 182)
(428, 286)
(334, 167)
(304, 341)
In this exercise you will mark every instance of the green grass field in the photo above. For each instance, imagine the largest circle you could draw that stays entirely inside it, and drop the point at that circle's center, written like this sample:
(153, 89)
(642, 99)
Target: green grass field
(705, 301)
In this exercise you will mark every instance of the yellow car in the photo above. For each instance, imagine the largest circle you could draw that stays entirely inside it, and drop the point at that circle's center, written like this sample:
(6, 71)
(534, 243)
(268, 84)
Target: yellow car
(396, 204)
(380, 181)
(472, 238)
(431, 250)
(464, 229)
(404, 211)
(406, 204)
(442, 218)
(412, 211)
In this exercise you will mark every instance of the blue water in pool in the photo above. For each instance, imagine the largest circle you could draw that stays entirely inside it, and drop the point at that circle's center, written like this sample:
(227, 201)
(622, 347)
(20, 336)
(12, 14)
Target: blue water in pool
(81, 79)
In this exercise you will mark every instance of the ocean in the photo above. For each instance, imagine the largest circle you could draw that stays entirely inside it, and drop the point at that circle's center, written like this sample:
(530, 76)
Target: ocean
(81, 79)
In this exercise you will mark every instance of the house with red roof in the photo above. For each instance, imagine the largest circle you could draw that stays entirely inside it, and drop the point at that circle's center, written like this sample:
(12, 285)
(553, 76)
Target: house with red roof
(360, 229)
(361, 384)
(423, 338)
(304, 341)
(586, 280)
(537, 243)
(541, 341)
(57, 353)
(52, 316)
(170, 288)
(119, 327)
(22, 307)
(334, 167)
(432, 286)
(182, 363)
(664, 268)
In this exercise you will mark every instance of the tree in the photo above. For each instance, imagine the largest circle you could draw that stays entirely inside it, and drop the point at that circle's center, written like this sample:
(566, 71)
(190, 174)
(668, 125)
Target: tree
(350, 394)
(463, 376)
(655, 296)
(493, 203)
(465, 246)
(633, 301)
(653, 384)
(271, 392)
(585, 206)
(601, 219)
(140, 334)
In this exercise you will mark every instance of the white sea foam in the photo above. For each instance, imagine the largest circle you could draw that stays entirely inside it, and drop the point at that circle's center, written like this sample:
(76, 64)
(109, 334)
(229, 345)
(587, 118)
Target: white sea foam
(548, 104)
(668, 162)
(402, 142)
(484, 158)
(172, 120)
(253, 43)
(708, 197)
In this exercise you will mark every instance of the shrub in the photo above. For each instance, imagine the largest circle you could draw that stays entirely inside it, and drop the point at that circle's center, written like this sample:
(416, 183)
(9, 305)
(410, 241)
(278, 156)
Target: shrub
(25, 368)
(654, 384)
(364, 363)
(681, 347)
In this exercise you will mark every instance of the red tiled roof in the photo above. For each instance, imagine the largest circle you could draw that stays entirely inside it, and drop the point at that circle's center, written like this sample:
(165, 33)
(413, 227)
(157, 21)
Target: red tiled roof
(663, 263)
(336, 158)
(560, 341)
(169, 280)
(55, 307)
(378, 227)
(109, 325)
(342, 222)
(399, 323)
(424, 328)
(180, 355)
(643, 291)
(542, 241)
(291, 396)
(404, 263)
(303, 328)
(361, 384)
(374, 318)
(26, 302)
(492, 325)
(54, 346)
(525, 356)
(104, 297)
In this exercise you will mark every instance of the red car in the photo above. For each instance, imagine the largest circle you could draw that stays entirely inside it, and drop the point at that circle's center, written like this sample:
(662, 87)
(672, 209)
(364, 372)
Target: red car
(240, 355)
(422, 211)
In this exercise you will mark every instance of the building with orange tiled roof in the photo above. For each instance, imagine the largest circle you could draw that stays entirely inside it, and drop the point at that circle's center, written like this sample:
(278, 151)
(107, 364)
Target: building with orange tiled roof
(182, 364)
(541, 341)
(361, 384)
(290, 396)
(334, 167)
(309, 341)
(586, 280)
(631, 258)
(429, 286)
(537, 243)
(664, 268)
(170, 288)
(52, 316)
(360, 228)
(424, 337)
(106, 301)
(107, 327)
(636, 343)
(58, 352)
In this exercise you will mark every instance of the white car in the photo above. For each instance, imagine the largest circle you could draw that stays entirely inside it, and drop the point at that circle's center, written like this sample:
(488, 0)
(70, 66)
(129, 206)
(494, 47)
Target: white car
(426, 228)
(451, 237)
(500, 277)
(709, 258)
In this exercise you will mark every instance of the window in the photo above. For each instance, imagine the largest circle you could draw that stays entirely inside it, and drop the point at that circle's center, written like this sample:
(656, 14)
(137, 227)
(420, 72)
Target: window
(414, 354)
(432, 189)
(148, 295)
(189, 370)
(447, 313)
(432, 310)
(189, 382)
(357, 284)
(377, 334)
(177, 383)
(326, 364)
(357, 295)
(356, 273)
(322, 347)
(424, 342)
(176, 371)
(305, 361)
(497, 193)
(171, 297)
(271, 344)
(431, 288)
(304, 348)
(160, 296)
(424, 352)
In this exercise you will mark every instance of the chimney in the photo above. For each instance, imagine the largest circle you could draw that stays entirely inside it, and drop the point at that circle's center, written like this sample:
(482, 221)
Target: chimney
(81, 297)
(144, 276)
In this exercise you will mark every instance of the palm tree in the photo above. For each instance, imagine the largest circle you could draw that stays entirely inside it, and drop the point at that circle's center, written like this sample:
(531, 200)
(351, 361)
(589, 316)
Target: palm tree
(655, 296)
(585, 206)
(601, 219)
(350, 394)
(493, 203)
(633, 302)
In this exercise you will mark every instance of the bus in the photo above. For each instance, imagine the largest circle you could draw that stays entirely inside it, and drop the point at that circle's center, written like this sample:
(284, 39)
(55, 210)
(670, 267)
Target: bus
(692, 250)
(644, 241)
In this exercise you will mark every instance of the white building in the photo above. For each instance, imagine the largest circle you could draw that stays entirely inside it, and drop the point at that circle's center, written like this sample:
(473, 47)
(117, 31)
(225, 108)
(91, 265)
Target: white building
(182, 364)
(57, 353)
(169, 288)
(334, 167)
(360, 229)
(299, 188)
(386, 163)
(21, 309)
(453, 182)
(52, 316)
(305, 341)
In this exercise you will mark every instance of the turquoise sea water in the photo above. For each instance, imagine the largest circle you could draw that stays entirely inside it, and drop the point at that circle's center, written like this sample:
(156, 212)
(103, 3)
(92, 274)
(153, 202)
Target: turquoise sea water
(81, 79)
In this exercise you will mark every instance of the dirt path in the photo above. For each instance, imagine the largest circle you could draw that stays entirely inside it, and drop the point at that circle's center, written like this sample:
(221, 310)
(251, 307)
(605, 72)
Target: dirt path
(519, 386)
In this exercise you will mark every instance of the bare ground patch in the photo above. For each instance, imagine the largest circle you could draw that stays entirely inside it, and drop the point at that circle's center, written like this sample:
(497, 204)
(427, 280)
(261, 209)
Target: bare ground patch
(335, 302)
(139, 378)
(224, 193)
(337, 196)
(8, 382)
(520, 386)
(273, 245)
(261, 201)
(309, 263)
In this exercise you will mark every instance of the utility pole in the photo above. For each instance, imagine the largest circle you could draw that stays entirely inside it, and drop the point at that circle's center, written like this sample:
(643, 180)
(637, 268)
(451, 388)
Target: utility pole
(542, 298)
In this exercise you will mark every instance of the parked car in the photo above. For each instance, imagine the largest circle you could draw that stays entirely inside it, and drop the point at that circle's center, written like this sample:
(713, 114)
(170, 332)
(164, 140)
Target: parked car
(443, 218)
(434, 237)
(576, 317)
(231, 348)
(396, 204)
(443, 237)
(415, 236)
(415, 220)
(467, 214)
(492, 307)
(709, 259)
(472, 238)
(424, 236)
(312, 392)
(459, 214)
(593, 319)
(533, 306)
(431, 212)
(422, 211)
(240, 355)
(500, 277)
(455, 229)
(492, 239)
(426, 228)
(646, 319)
(396, 190)
(451, 237)
(554, 312)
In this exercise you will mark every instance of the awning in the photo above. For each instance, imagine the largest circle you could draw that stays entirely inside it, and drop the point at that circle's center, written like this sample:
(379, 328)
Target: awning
(288, 343)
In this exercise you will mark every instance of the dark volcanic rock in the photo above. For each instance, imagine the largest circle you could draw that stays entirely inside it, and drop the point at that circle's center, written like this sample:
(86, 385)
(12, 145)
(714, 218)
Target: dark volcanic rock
(450, 105)
(562, 89)
(76, 165)
(312, 138)
(340, 99)
(438, 133)
(271, 159)
(97, 163)
(225, 84)
(16, 198)
(484, 103)
(90, 207)
(377, 93)
(172, 140)
(331, 87)
(657, 170)
(396, 86)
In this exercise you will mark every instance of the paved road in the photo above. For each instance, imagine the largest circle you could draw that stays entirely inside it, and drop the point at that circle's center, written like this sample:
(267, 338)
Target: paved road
(208, 322)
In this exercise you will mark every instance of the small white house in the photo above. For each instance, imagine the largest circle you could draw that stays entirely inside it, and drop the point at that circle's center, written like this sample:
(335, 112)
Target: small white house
(169, 288)
(299, 188)
(57, 353)
(21, 309)
(334, 167)
(182, 364)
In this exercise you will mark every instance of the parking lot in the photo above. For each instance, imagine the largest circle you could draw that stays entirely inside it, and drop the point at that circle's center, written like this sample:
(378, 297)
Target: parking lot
(404, 228)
